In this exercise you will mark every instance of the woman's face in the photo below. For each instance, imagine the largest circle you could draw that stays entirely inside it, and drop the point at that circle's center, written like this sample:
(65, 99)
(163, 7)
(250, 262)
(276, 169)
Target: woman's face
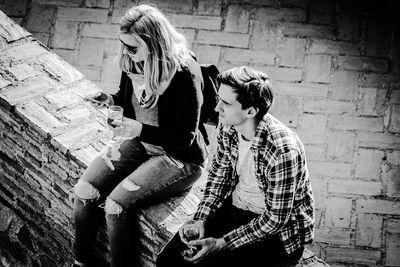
(132, 47)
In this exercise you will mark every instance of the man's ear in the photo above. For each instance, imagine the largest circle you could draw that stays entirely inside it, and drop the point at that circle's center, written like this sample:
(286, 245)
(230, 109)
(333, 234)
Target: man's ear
(252, 112)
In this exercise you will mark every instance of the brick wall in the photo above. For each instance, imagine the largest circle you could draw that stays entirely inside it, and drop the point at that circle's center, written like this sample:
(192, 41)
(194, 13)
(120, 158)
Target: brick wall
(336, 70)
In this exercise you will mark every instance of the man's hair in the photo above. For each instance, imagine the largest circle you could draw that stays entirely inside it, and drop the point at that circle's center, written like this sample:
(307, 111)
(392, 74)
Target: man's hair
(166, 49)
(253, 88)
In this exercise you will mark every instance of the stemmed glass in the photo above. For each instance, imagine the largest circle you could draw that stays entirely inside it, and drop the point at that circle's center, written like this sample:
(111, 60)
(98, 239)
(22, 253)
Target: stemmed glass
(190, 233)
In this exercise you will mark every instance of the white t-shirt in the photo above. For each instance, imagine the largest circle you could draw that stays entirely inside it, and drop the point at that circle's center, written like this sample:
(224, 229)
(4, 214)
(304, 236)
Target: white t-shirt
(247, 194)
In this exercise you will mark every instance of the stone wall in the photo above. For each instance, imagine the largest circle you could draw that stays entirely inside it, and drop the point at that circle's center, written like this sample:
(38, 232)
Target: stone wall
(335, 64)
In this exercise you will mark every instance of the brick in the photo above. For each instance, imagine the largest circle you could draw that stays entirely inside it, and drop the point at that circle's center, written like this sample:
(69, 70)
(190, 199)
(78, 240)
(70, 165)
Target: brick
(23, 52)
(333, 47)
(369, 230)
(379, 80)
(195, 21)
(68, 3)
(27, 90)
(312, 128)
(265, 36)
(291, 52)
(100, 30)
(98, 3)
(223, 39)
(65, 34)
(378, 206)
(344, 85)
(82, 14)
(315, 152)
(321, 12)
(287, 109)
(246, 56)
(207, 54)
(283, 74)
(394, 121)
(329, 169)
(393, 226)
(368, 164)
(351, 187)
(332, 236)
(15, 8)
(353, 255)
(307, 30)
(281, 14)
(340, 146)
(317, 68)
(378, 140)
(338, 212)
(371, 101)
(329, 106)
(355, 123)
(361, 64)
(209, 7)
(40, 18)
(394, 97)
(91, 52)
(390, 177)
(178, 6)
(392, 250)
(237, 19)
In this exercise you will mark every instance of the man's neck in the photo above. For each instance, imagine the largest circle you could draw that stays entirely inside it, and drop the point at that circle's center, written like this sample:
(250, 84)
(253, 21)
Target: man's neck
(248, 128)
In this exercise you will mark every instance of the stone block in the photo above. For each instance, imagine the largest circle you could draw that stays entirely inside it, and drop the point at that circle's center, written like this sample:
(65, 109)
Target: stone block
(91, 52)
(247, 57)
(100, 30)
(390, 177)
(90, 72)
(223, 38)
(40, 18)
(207, 54)
(291, 52)
(394, 97)
(237, 19)
(178, 6)
(209, 7)
(195, 21)
(315, 152)
(329, 169)
(393, 157)
(265, 36)
(329, 106)
(393, 226)
(368, 164)
(312, 128)
(98, 3)
(333, 236)
(15, 8)
(281, 14)
(392, 249)
(379, 80)
(353, 255)
(369, 230)
(371, 101)
(378, 140)
(394, 120)
(378, 206)
(348, 123)
(189, 35)
(361, 64)
(67, 3)
(307, 30)
(301, 89)
(66, 54)
(338, 212)
(287, 109)
(283, 74)
(344, 85)
(340, 146)
(347, 24)
(317, 46)
(65, 34)
(10, 31)
(317, 68)
(82, 14)
(352, 187)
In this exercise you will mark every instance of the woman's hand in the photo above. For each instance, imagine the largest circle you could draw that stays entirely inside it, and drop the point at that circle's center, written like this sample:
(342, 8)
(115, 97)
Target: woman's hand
(100, 99)
(128, 128)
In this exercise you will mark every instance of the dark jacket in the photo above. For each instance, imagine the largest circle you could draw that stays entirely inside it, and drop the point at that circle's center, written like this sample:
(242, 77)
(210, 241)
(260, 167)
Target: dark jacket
(178, 114)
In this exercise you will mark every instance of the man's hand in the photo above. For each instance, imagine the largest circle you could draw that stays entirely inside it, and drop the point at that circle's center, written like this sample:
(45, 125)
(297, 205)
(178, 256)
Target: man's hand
(192, 224)
(207, 247)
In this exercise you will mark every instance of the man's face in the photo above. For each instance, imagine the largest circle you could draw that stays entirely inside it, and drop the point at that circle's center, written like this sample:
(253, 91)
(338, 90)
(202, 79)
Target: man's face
(229, 109)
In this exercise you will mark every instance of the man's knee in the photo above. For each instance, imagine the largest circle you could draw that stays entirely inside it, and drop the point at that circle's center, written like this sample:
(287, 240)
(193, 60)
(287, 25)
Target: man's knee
(112, 208)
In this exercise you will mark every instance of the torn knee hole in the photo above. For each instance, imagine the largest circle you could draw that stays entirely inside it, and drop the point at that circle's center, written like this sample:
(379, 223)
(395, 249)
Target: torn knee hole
(84, 190)
(111, 207)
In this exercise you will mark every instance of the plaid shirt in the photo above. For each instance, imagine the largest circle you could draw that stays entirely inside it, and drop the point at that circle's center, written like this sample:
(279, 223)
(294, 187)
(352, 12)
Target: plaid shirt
(281, 171)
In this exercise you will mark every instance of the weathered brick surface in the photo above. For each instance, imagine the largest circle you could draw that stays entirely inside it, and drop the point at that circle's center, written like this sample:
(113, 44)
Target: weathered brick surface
(335, 65)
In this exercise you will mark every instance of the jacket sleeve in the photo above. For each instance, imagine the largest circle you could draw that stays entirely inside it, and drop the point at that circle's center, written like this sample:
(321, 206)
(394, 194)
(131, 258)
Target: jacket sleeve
(179, 113)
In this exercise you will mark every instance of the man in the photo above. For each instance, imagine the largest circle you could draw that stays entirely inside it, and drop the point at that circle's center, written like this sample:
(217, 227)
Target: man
(257, 206)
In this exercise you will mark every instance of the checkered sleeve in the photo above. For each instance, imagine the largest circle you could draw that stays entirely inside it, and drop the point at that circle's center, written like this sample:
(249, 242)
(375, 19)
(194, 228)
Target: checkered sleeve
(283, 174)
(219, 182)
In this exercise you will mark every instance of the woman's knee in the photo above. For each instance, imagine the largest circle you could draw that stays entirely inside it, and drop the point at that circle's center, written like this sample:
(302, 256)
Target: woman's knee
(86, 192)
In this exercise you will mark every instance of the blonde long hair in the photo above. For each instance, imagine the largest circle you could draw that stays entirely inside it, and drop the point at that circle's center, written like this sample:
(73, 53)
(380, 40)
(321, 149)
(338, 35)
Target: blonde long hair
(165, 48)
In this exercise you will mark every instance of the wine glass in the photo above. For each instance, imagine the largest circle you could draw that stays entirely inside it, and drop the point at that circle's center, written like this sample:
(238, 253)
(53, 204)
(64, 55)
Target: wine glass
(115, 113)
(190, 233)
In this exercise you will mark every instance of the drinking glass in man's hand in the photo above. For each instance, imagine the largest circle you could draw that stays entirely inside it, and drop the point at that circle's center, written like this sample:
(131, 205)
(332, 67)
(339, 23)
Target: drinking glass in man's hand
(190, 233)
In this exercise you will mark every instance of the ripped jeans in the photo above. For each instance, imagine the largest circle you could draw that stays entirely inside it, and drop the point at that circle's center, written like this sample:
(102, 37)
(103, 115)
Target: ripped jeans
(134, 180)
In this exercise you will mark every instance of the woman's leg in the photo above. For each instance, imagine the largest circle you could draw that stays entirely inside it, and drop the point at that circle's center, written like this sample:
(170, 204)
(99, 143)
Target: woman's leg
(96, 183)
(156, 179)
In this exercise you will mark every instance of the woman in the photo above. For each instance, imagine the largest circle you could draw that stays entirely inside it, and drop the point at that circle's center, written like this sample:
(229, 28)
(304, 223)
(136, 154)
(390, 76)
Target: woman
(160, 92)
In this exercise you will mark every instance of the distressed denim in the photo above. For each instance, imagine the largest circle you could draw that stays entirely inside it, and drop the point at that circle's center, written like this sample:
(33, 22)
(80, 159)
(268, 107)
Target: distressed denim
(138, 179)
